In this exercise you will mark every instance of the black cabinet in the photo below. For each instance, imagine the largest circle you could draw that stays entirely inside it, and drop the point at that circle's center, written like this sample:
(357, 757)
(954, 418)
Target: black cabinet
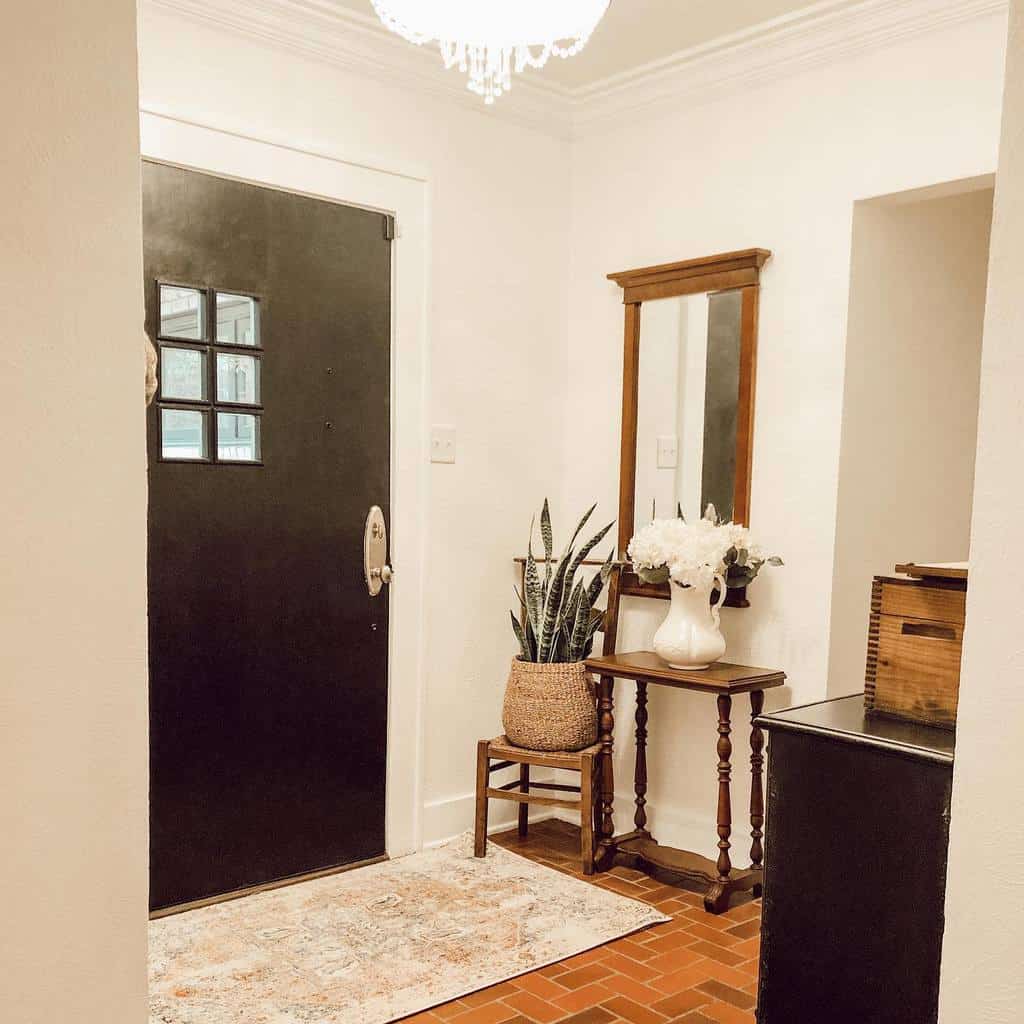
(855, 867)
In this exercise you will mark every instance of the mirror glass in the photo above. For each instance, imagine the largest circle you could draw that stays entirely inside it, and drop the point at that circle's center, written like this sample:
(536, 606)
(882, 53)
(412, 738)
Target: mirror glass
(688, 402)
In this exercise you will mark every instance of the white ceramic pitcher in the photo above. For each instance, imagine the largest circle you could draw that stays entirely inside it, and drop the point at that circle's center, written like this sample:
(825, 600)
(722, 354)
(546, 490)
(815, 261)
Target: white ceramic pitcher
(690, 637)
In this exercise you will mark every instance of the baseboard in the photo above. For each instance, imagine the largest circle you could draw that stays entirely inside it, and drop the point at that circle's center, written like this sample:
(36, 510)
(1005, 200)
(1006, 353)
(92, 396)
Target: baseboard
(443, 820)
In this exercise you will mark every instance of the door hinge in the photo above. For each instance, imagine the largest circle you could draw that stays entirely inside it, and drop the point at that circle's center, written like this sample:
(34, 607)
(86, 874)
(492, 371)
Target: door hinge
(389, 227)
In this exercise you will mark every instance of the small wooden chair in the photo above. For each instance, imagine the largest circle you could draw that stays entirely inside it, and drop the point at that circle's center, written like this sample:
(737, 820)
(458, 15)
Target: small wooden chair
(594, 766)
(587, 762)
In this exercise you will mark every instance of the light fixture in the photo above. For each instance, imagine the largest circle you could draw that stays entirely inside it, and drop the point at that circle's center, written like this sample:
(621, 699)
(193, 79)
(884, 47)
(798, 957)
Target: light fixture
(490, 39)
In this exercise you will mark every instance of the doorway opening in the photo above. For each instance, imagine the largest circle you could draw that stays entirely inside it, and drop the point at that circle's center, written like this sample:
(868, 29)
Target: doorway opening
(919, 271)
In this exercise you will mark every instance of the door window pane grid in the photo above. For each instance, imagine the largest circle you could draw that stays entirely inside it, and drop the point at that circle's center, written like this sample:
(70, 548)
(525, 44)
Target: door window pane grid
(210, 401)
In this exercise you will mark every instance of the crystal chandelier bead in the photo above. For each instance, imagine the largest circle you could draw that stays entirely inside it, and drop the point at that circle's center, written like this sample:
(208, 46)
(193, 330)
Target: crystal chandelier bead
(491, 39)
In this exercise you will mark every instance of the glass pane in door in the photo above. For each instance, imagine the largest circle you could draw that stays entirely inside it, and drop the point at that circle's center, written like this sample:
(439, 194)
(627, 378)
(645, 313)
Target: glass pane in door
(238, 437)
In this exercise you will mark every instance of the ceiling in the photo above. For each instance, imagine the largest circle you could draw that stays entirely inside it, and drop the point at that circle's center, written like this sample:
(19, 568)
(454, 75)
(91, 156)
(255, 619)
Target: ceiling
(637, 32)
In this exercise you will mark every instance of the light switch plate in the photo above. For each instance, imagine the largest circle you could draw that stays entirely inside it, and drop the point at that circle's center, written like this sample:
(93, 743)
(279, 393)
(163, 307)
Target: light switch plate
(668, 451)
(442, 443)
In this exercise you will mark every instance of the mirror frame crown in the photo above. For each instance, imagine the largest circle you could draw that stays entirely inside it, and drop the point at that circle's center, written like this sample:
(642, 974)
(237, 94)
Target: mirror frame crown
(723, 272)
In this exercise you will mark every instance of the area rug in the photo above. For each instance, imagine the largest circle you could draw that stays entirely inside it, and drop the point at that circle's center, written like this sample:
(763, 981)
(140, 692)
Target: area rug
(379, 943)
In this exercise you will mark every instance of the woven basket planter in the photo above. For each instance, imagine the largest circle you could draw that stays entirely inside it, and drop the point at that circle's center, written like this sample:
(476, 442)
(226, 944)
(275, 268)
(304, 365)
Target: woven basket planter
(549, 707)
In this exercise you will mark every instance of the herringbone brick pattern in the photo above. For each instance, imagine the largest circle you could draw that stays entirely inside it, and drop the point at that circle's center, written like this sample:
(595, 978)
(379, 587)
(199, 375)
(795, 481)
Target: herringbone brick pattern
(695, 969)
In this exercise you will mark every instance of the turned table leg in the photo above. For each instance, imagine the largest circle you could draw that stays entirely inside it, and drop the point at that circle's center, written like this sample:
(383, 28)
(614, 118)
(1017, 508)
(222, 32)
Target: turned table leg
(606, 726)
(756, 784)
(640, 774)
(717, 896)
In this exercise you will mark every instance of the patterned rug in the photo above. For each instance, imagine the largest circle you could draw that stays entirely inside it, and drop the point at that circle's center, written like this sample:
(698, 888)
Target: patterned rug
(379, 943)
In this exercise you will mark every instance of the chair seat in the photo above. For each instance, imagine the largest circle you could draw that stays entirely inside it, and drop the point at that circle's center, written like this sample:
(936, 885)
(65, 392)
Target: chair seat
(502, 747)
(524, 791)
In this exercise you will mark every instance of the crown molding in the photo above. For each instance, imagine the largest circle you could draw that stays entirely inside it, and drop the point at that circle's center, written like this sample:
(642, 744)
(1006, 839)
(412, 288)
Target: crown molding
(326, 32)
(822, 33)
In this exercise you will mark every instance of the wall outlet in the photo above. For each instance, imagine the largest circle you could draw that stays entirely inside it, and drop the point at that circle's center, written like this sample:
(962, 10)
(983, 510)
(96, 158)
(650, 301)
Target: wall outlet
(442, 444)
(668, 451)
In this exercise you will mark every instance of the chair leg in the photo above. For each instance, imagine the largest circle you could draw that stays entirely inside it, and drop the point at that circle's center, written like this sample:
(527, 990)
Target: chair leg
(524, 809)
(587, 776)
(483, 763)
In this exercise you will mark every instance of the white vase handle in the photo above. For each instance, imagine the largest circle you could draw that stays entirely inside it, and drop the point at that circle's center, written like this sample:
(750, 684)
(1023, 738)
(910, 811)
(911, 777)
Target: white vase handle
(723, 592)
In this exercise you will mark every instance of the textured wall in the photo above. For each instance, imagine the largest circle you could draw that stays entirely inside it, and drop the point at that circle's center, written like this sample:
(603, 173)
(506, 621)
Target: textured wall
(73, 758)
(985, 899)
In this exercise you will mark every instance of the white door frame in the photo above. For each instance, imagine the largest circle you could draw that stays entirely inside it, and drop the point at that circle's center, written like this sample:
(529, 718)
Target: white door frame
(330, 176)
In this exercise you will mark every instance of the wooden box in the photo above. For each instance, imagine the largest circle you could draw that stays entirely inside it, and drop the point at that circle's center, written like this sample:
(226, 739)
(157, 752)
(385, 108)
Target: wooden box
(914, 641)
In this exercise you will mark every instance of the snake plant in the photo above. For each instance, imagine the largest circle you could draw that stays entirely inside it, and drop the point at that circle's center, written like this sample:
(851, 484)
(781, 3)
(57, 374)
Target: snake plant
(557, 619)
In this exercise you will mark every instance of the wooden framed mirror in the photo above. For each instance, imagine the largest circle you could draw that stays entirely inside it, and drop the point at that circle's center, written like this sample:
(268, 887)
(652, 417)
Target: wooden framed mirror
(688, 382)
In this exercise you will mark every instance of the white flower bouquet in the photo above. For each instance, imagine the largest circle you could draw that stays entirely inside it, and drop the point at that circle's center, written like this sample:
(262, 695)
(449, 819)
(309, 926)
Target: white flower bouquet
(692, 554)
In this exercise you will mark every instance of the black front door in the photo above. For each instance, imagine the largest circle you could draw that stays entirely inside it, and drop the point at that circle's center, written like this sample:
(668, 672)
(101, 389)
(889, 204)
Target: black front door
(269, 442)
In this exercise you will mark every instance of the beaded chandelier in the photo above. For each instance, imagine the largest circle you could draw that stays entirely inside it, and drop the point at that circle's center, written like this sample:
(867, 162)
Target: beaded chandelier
(489, 39)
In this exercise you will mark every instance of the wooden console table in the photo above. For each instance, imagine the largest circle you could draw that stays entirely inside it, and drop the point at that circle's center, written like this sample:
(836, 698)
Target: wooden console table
(639, 848)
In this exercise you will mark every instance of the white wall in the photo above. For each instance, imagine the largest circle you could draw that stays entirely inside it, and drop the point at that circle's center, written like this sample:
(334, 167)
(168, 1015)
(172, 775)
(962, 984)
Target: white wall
(73, 753)
(910, 402)
(779, 167)
(497, 361)
(984, 898)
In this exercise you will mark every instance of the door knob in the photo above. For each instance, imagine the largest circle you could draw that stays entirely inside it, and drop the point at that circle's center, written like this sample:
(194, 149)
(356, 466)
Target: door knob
(376, 570)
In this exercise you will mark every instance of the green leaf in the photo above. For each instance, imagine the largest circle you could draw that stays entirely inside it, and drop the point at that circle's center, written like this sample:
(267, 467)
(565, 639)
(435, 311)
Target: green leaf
(588, 547)
(524, 647)
(548, 539)
(552, 607)
(580, 525)
(584, 551)
(534, 591)
(599, 579)
(531, 642)
(659, 575)
(594, 627)
(737, 577)
(560, 649)
(579, 627)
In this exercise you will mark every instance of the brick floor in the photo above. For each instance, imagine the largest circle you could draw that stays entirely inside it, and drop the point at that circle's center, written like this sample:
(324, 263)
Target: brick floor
(695, 969)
